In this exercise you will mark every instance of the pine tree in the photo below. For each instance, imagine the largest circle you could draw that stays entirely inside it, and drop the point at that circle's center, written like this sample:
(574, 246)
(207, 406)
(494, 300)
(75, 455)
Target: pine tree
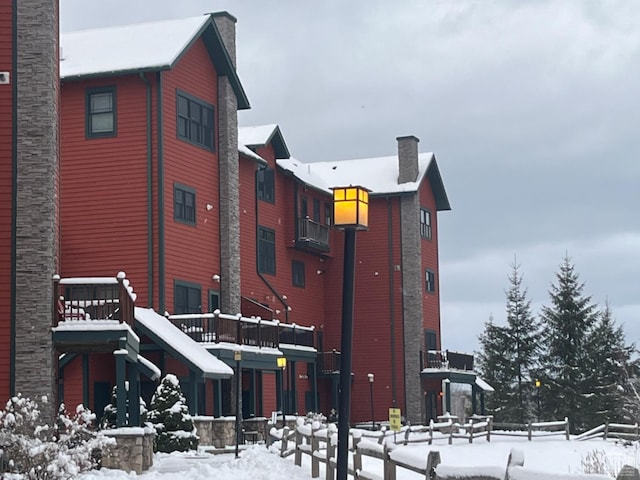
(568, 325)
(492, 364)
(522, 346)
(170, 416)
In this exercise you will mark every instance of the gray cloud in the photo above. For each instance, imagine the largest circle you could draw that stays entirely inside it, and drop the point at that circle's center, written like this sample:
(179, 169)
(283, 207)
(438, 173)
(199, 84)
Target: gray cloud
(531, 108)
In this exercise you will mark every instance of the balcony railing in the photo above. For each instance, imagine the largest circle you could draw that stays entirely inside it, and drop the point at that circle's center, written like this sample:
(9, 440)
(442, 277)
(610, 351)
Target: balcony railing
(313, 234)
(447, 360)
(292, 334)
(328, 362)
(93, 299)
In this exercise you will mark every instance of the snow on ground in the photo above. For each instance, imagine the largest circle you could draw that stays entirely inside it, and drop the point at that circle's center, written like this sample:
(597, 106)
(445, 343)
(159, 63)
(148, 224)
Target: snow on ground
(551, 455)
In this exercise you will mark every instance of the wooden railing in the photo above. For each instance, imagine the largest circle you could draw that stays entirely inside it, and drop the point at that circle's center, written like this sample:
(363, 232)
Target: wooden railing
(328, 362)
(99, 298)
(313, 232)
(447, 360)
(292, 334)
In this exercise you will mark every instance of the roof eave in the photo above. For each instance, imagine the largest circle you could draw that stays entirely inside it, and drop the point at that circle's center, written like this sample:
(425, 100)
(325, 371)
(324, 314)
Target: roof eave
(437, 186)
(113, 73)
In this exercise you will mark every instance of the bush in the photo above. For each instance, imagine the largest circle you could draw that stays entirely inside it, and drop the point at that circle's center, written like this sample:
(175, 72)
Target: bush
(33, 450)
(170, 416)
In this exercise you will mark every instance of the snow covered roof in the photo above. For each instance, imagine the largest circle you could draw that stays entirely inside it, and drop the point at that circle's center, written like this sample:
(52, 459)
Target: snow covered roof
(139, 47)
(379, 175)
(484, 386)
(161, 330)
(261, 135)
(247, 152)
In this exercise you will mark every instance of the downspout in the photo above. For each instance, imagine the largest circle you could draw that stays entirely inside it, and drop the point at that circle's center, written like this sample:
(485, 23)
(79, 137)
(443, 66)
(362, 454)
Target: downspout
(392, 309)
(161, 279)
(149, 194)
(14, 193)
(266, 282)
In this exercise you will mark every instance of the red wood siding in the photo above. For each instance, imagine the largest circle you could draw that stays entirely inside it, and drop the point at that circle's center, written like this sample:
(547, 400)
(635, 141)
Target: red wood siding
(430, 301)
(104, 187)
(192, 253)
(268, 393)
(73, 384)
(6, 156)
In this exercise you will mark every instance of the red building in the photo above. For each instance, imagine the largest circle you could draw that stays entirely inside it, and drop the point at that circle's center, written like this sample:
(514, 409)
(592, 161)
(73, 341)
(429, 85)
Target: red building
(157, 180)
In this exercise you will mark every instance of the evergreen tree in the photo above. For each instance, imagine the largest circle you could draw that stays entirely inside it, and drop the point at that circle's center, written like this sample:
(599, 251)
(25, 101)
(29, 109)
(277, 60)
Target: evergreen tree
(170, 416)
(510, 354)
(568, 326)
(523, 336)
(110, 415)
(492, 365)
(611, 361)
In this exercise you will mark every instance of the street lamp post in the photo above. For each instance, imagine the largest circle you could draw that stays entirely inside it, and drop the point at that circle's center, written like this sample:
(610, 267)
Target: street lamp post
(373, 417)
(350, 213)
(538, 385)
(282, 364)
(237, 356)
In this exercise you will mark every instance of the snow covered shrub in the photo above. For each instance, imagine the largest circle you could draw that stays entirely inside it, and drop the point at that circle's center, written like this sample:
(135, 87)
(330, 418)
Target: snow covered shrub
(34, 450)
(170, 416)
(596, 461)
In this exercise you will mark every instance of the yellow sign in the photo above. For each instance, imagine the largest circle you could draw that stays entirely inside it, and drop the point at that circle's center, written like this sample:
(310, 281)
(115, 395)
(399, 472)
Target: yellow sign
(395, 419)
(237, 355)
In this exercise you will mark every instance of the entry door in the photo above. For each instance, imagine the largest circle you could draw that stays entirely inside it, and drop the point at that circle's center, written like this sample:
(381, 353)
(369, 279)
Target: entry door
(101, 398)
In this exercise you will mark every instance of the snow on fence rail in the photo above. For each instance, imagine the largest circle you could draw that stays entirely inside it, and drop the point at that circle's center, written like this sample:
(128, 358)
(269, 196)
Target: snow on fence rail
(541, 429)
(621, 431)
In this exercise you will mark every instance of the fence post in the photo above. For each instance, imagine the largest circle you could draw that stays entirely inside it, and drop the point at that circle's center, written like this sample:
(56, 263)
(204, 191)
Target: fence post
(470, 430)
(433, 460)
(331, 452)
(388, 465)
(489, 428)
(315, 462)
(566, 427)
(430, 431)
(284, 442)
(406, 435)
(357, 456)
(298, 457)
(606, 430)
(636, 430)
(529, 428)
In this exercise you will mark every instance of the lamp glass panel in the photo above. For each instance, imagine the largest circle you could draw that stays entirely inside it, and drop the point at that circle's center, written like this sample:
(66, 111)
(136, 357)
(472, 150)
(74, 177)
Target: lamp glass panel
(345, 213)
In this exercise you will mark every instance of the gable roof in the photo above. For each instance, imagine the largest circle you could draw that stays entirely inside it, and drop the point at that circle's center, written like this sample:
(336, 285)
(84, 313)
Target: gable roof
(261, 135)
(152, 46)
(379, 175)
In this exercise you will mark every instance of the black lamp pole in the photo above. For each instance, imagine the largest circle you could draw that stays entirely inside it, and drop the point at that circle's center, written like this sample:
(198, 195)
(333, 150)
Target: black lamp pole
(373, 417)
(344, 395)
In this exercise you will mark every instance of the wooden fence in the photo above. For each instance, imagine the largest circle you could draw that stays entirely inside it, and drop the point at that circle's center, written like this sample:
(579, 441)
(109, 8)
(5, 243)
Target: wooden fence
(541, 429)
(620, 431)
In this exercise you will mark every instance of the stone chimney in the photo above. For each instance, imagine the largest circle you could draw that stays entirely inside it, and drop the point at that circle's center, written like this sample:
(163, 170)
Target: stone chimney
(226, 25)
(407, 158)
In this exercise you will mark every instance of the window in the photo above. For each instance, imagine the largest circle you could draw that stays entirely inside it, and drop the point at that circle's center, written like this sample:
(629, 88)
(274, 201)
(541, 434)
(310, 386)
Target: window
(101, 112)
(266, 184)
(266, 251)
(297, 273)
(187, 297)
(327, 213)
(430, 281)
(316, 210)
(214, 301)
(184, 204)
(431, 339)
(304, 210)
(195, 121)
(425, 223)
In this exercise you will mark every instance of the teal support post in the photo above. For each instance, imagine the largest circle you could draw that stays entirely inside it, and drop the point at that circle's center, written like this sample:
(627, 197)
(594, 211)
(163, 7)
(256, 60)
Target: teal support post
(193, 393)
(133, 374)
(121, 399)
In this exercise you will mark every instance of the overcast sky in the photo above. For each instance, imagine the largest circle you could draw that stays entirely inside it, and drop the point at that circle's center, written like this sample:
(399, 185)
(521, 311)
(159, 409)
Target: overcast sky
(531, 107)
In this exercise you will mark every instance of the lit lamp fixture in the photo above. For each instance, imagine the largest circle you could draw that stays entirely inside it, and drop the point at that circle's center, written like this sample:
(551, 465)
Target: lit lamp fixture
(281, 362)
(538, 384)
(351, 207)
(350, 213)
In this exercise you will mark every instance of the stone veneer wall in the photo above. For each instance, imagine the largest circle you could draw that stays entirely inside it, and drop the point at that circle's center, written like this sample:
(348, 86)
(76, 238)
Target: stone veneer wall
(229, 178)
(132, 452)
(38, 82)
(218, 432)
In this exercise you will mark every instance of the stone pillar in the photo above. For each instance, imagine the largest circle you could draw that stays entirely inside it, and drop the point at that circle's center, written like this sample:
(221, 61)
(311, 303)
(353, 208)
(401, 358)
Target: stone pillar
(229, 197)
(37, 233)
(226, 25)
(412, 278)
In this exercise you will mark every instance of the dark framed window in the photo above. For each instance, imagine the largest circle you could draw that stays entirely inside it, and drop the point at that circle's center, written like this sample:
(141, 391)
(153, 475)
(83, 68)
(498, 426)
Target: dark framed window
(431, 339)
(184, 204)
(195, 121)
(430, 281)
(316, 210)
(266, 251)
(101, 112)
(186, 297)
(214, 300)
(304, 208)
(266, 184)
(327, 213)
(425, 223)
(297, 273)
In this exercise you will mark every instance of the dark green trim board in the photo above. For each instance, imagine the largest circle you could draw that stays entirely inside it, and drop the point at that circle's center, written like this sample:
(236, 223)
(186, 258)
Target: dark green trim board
(392, 305)
(85, 379)
(161, 269)
(14, 193)
(149, 192)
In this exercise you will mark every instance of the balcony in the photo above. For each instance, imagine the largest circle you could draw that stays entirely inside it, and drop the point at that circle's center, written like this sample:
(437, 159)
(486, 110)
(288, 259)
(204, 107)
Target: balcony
(297, 336)
(312, 235)
(328, 362)
(447, 360)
